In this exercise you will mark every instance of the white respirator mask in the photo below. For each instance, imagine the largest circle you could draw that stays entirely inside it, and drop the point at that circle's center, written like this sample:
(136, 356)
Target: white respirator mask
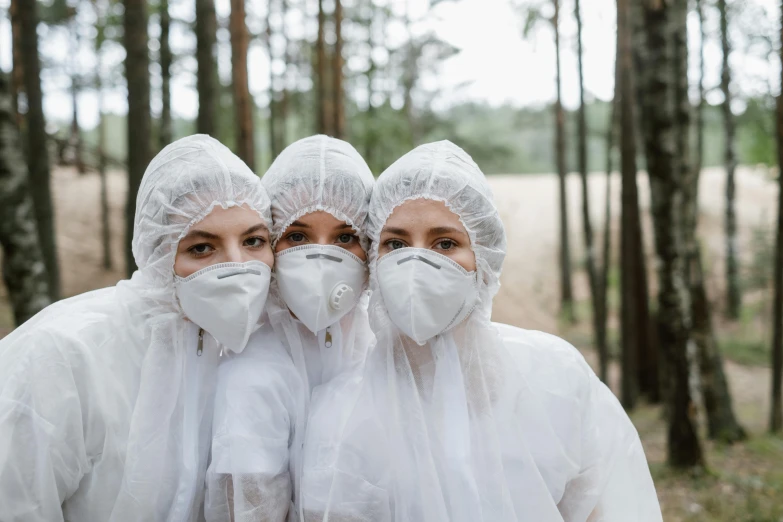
(425, 293)
(319, 283)
(226, 300)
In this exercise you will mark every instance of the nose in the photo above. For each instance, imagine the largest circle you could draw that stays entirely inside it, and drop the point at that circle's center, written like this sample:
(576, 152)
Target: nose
(236, 254)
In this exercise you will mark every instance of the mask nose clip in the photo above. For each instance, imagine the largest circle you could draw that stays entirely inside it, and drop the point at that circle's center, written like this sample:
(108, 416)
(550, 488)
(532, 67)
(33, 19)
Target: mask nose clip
(342, 295)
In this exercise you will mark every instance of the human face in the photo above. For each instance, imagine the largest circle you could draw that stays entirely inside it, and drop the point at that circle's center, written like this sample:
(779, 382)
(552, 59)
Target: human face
(234, 234)
(425, 223)
(321, 228)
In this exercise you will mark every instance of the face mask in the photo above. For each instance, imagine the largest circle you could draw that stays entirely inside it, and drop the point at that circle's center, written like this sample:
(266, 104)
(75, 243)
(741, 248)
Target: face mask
(319, 283)
(426, 293)
(226, 300)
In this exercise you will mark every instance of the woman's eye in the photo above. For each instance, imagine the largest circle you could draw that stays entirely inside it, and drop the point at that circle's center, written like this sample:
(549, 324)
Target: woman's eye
(200, 249)
(446, 244)
(395, 244)
(296, 237)
(255, 242)
(345, 238)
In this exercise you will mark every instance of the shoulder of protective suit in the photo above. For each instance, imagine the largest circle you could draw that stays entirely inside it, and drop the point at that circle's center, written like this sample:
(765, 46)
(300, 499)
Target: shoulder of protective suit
(547, 361)
(64, 330)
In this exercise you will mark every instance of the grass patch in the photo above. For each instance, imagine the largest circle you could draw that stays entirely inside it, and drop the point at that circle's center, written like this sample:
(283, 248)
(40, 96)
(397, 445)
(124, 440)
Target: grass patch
(745, 351)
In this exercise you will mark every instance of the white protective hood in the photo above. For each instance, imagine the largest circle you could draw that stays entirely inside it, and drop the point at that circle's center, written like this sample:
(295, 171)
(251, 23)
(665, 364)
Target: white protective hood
(312, 174)
(105, 407)
(484, 422)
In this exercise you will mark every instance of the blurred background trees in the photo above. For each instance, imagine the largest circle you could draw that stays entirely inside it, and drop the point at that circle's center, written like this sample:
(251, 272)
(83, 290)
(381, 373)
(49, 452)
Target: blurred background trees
(260, 74)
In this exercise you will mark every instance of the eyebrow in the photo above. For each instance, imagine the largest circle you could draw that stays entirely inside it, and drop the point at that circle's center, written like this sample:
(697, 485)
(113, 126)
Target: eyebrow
(396, 231)
(299, 224)
(343, 227)
(200, 233)
(255, 228)
(446, 230)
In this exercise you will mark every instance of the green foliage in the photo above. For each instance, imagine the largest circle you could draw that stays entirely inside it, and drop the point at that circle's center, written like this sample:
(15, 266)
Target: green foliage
(756, 132)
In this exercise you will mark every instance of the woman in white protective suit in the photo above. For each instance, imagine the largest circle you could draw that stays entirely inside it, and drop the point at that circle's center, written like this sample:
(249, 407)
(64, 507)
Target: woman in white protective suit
(106, 398)
(457, 418)
(320, 191)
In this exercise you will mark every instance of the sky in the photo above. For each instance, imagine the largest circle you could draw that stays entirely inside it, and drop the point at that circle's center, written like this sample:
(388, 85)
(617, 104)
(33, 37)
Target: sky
(496, 64)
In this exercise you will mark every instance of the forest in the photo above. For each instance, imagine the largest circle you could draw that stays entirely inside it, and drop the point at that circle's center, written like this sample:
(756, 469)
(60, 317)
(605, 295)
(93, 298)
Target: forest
(652, 268)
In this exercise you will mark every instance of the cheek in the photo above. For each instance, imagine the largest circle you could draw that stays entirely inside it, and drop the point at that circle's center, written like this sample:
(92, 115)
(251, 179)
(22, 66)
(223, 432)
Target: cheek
(465, 258)
(265, 255)
(357, 250)
(184, 265)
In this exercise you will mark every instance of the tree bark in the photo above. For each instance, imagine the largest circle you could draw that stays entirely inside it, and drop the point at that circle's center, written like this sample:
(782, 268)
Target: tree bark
(734, 295)
(567, 300)
(206, 78)
(721, 421)
(776, 411)
(282, 116)
(17, 70)
(76, 133)
(24, 270)
(105, 225)
(666, 119)
(325, 109)
(274, 144)
(337, 73)
(243, 103)
(165, 137)
(37, 145)
(137, 64)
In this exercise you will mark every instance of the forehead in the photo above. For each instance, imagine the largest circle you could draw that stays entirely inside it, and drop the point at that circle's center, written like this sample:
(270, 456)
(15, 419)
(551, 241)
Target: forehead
(228, 219)
(423, 214)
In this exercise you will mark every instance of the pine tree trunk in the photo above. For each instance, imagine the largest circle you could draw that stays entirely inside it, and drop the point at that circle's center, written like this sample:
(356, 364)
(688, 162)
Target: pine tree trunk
(325, 111)
(721, 421)
(165, 136)
(17, 68)
(105, 226)
(282, 116)
(137, 65)
(274, 145)
(206, 78)
(76, 133)
(243, 103)
(776, 411)
(37, 145)
(337, 73)
(666, 117)
(734, 295)
(567, 300)
(602, 307)
(24, 270)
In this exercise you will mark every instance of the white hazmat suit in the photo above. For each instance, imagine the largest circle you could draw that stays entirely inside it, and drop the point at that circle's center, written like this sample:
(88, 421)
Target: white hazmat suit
(480, 422)
(260, 422)
(106, 398)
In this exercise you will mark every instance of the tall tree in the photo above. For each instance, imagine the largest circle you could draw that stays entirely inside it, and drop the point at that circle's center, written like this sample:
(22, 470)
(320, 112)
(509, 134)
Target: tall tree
(76, 132)
(634, 320)
(734, 295)
(776, 411)
(590, 258)
(101, 9)
(137, 65)
(325, 118)
(721, 422)
(165, 135)
(666, 118)
(243, 103)
(274, 144)
(37, 144)
(337, 73)
(17, 67)
(24, 270)
(206, 78)
(567, 299)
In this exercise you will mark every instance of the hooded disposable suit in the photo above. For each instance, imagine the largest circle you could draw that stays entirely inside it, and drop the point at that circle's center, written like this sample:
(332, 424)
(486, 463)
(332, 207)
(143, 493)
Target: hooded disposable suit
(106, 398)
(260, 421)
(481, 422)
